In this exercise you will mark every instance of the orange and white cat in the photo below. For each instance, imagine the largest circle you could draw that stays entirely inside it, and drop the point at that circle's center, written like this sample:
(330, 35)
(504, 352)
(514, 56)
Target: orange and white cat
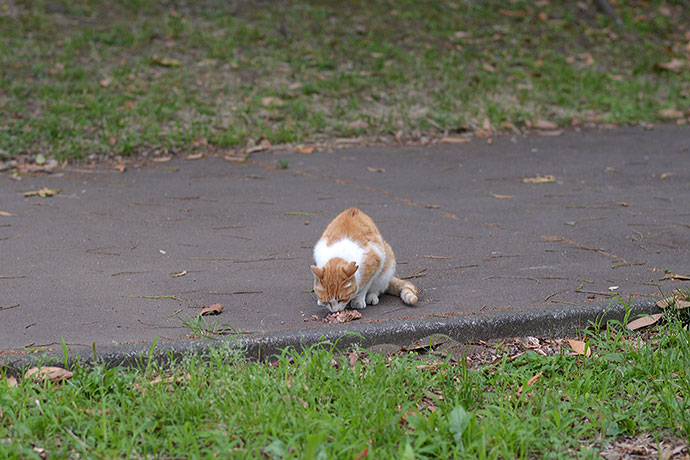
(355, 265)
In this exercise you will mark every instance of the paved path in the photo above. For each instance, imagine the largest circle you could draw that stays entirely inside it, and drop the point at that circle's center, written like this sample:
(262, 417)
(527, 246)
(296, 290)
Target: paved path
(96, 262)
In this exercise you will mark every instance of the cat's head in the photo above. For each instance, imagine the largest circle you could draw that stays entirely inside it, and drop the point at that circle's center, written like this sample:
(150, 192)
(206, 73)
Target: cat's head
(335, 284)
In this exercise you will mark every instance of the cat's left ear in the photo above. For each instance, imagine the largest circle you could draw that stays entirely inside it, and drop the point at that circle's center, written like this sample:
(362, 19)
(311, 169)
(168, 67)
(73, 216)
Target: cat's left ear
(350, 269)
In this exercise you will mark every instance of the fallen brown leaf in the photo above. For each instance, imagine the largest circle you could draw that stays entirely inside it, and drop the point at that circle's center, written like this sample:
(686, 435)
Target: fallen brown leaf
(678, 300)
(165, 61)
(544, 124)
(363, 454)
(44, 192)
(105, 82)
(306, 149)
(358, 124)
(530, 382)
(375, 170)
(488, 67)
(162, 159)
(580, 348)
(171, 379)
(6, 214)
(671, 113)
(41, 452)
(48, 373)
(12, 381)
(539, 179)
(265, 144)
(501, 197)
(235, 157)
(455, 140)
(214, 309)
(644, 321)
(177, 275)
(667, 175)
(195, 156)
(674, 65)
(272, 101)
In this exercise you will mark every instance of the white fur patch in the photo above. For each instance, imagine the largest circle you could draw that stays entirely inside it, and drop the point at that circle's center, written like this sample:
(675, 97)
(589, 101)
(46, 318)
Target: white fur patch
(345, 249)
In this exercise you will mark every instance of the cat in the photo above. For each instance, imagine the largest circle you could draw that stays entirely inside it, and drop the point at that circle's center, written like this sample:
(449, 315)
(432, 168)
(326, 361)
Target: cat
(355, 265)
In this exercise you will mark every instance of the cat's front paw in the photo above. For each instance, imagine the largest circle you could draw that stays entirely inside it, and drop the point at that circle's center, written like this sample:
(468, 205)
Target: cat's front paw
(372, 299)
(358, 304)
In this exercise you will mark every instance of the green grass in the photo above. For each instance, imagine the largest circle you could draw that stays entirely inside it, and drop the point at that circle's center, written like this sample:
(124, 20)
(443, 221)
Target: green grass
(80, 79)
(316, 404)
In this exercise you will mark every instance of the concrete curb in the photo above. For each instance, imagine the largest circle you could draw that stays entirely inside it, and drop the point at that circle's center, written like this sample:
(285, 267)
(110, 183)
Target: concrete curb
(466, 328)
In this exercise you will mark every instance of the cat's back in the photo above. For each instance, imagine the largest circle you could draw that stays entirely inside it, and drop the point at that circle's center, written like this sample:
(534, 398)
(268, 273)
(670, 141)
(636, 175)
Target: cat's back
(354, 225)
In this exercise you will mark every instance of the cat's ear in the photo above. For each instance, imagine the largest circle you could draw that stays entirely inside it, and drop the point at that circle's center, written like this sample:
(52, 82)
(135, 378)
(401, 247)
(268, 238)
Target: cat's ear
(350, 269)
(318, 272)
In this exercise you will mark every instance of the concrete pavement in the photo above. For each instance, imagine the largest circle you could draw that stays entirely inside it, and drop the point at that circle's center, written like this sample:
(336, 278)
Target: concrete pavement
(493, 252)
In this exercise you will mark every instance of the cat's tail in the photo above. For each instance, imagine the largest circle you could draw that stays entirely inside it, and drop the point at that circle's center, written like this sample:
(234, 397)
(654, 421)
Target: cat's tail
(406, 290)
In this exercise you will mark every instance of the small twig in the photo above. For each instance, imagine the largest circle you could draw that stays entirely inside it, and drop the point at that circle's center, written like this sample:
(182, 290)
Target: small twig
(419, 274)
(608, 294)
(536, 281)
(156, 297)
(130, 273)
(313, 214)
(235, 292)
(437, 257)
(8, 308)
(12, 277)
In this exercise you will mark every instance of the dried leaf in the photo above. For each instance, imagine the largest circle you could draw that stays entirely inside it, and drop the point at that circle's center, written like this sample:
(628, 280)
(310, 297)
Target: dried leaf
(162, 159)
(195, 156)
(580, 348)
(41, 452)
(105, 82)
(49, 373)
(343, 316)
(6, 214)
(235, 157)
(644, 321)
(358, 124)
(455, 140)
(270, 101)
(363, 454)
(671, 113)
(674, 65)
(544, 124)
(666, 175)
(177, 275)
(375, 170)
(501, 197)
(214, 309)
(539, 179)
(678, 301)
(12, 381)
(488, 67)
(265, 144)
(165, 61)
(306, 149)
(44, 192)
(171, 379)
(530, 382)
